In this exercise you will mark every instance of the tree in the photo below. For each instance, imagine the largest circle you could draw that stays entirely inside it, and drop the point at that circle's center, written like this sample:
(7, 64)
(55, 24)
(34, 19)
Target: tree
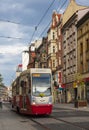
(1, 81)
(80, 91)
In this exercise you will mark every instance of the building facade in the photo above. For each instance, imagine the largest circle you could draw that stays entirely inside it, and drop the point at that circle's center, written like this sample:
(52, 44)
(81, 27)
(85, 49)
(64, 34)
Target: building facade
(69, 43)
(32, 55)
(65, 50)
(83, 50)
(32, 63)
(25, 59)
(41, 54)
(54, 45)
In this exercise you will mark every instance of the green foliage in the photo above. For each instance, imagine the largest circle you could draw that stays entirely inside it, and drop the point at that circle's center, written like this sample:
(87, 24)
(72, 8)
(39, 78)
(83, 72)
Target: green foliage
(1, 81)
(78, 77)
(79, 80)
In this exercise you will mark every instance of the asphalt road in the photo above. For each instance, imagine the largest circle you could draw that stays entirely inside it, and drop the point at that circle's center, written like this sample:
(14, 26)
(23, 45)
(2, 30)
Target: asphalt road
(63, 117)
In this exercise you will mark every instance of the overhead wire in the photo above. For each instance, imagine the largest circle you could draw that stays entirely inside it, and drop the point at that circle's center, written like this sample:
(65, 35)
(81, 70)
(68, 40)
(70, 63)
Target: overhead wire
(45, 12)
(42, 19)
(47, 25)
(45, 29)
(11, 37)
(51, 20)
(17, 23)
(62, 4)
(36, 27)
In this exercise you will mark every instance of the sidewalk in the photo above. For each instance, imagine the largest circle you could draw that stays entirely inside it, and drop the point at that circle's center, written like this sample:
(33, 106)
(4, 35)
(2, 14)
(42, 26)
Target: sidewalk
(3, 107)
(70, 106)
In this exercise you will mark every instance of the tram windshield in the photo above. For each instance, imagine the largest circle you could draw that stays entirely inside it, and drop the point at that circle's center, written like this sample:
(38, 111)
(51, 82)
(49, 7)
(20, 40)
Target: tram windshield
(41, 84)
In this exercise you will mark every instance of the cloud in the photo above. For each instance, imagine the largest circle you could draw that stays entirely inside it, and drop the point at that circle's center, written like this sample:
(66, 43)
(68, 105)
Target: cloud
(27, 13)
(10, 57)
(10, 5)
(12, 50)
(10, 29)
(83, 2)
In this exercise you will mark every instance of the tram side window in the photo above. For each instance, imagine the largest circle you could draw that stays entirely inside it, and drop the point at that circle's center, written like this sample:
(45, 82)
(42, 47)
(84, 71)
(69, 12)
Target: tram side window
(23, 86)
(29, 88)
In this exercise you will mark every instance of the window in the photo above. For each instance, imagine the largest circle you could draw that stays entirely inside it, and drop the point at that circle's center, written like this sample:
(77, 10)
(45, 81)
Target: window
(59, 60)
(53, 63)
(53, 49)
(81, 67)
(80, 31)
(53, 35)
(88, 66)
(86, 27)
(41, 84)
(49, 49)
(81, 48)
(87, 45)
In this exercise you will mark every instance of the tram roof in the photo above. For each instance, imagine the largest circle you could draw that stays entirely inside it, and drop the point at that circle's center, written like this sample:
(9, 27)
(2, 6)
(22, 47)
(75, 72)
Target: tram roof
(32, 70)
(36, 70)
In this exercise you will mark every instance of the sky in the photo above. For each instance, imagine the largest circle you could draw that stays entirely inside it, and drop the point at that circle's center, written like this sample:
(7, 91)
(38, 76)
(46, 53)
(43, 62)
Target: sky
(18, 20)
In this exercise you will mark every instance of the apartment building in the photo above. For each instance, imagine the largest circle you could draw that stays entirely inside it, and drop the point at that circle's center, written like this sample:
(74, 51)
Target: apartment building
(41, 54)
(54, 45)
(83, 49)
(60, 51)
(69, 43)
(32, 55)
(32, 63)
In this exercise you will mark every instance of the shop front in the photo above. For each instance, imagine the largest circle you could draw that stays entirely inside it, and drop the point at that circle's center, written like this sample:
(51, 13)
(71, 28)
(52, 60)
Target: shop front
(69, 93)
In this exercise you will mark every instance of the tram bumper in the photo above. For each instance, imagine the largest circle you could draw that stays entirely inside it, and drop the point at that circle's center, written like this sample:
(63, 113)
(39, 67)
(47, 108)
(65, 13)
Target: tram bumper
(42, 109)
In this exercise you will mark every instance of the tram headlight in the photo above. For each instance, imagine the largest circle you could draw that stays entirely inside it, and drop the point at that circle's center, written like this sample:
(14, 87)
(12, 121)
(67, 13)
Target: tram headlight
(33, 103)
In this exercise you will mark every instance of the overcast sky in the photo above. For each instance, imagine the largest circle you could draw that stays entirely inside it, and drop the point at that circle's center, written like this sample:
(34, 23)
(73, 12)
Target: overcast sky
(18, 19)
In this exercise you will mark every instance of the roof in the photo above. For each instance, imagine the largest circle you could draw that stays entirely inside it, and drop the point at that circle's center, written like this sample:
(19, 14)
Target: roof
(72, 8)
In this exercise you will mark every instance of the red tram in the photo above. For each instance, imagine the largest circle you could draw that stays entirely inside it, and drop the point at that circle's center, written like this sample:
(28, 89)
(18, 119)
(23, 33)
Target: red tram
(32, 92)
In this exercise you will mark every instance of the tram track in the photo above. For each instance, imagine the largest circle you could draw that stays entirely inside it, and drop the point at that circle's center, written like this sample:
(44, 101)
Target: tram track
(67, 122)
(45, 122)
(46, 128)
(41, 121)
(57, 119)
